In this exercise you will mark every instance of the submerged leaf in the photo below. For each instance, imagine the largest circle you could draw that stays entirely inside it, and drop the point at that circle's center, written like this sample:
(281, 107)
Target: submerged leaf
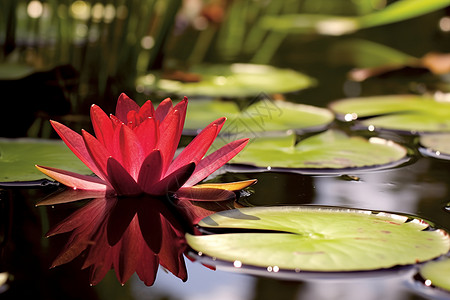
(318, 238)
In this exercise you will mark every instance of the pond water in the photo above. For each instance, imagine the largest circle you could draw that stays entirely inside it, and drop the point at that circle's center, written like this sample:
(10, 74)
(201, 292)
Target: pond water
(420, 188)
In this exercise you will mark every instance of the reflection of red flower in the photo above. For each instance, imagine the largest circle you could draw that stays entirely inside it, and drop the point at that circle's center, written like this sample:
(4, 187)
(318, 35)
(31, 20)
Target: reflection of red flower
(132, 153)
(127, 234)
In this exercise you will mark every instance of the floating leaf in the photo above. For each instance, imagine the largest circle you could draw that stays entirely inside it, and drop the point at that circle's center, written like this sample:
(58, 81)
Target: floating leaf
(436, 145)
(320, 239)
(261, 117)
(236, 80)
(339, 25)
(325, 152)
(437, 273)
(18, 158)
(405, 113)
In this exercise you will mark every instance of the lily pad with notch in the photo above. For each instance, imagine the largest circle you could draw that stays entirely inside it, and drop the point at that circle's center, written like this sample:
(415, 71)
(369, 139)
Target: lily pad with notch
(301, 239)
(18, 158)
(230, 81)
(328, 152)
(262, 117)
(409, 114)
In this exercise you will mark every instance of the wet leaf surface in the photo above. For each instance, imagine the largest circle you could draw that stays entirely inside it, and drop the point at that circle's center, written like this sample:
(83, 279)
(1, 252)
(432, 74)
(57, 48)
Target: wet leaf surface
(437, 273)
(318, 238)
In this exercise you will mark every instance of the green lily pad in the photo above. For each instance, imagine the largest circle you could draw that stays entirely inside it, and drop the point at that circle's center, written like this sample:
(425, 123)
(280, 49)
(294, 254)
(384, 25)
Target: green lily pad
(404, 113)
(18, 158)
(437, 273)
(436, 145)
(325, 152)
(229, 81)
(261, 117)
(318, 239)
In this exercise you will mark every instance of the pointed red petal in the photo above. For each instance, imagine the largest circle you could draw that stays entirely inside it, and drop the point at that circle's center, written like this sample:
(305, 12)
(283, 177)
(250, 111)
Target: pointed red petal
(172, 182)
(98, 153)
(150, 172)
(163, 109)
(229, 186)
(76, 144)
(124, 105)
(215, 160)
(182, 107)
(148, 134)
(102, 125)
(130, 152)
(196, 149)
(204, 194)
(147, 111)
(121, 181)
(74, 180)
(168, 145)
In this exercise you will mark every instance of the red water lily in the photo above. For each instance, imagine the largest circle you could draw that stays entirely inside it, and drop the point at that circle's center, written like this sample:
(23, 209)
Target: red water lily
(133, 151)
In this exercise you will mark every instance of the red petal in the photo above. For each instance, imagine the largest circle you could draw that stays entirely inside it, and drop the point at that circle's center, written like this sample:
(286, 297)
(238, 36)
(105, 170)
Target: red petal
(182, 107)
(163, 109)
(124, 105)
(74, 180)
(130, 152)
(150, 172)
(133, 119)
(102, 125)
(76, 144)
(170, 137)
(215, 160)
(173, 182)
(196, 149)
(148, 134)
(121, 181)
(147, 111)
(98, 153)
(204, 194)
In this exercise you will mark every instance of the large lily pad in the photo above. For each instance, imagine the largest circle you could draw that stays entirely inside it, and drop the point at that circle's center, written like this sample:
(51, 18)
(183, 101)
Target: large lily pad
(235, 80)
(261, 117)
(436, 145)
(405, 113)
(437, 273)
(330, 151)
(320, 239)
(18, 158)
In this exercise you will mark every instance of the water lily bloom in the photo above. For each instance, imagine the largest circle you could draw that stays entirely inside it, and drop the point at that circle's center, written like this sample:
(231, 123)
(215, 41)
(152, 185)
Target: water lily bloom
(133, 152)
